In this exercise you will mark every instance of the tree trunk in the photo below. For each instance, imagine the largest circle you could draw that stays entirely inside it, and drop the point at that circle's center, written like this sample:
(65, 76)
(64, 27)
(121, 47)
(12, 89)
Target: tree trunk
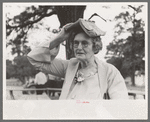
(133, 52)
(68, 14)
(133, 76)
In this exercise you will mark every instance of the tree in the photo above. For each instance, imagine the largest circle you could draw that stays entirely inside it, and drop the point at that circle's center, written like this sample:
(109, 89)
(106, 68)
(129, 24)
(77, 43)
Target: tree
(10, 69)
(129, 51)
(23, 68)
(19, 68)
(26, 20)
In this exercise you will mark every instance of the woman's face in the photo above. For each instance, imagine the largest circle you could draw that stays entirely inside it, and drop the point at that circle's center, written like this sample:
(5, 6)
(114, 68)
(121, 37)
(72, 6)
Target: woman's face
(83, 47)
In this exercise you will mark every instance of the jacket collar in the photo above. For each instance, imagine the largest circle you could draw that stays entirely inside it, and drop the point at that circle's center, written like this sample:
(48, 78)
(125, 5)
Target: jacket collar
(70, 74)
(101, 76)
(69, 78)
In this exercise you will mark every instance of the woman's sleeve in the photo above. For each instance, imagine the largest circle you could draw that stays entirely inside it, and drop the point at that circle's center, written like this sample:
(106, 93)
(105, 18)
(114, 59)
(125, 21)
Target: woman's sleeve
(116, 85)
(44, 59)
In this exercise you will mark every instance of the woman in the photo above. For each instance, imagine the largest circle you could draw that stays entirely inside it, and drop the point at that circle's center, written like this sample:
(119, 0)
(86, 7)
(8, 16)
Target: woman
(86, 77)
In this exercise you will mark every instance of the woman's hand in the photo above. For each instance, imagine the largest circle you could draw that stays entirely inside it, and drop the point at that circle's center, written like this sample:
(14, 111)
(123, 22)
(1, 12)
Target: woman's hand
(64, 35)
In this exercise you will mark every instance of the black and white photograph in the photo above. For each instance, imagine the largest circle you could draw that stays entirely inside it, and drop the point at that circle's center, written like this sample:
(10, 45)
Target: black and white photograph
(92, 56)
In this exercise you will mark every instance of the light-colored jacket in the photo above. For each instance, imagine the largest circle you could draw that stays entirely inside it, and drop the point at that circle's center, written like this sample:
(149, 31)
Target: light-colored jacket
(110, 79)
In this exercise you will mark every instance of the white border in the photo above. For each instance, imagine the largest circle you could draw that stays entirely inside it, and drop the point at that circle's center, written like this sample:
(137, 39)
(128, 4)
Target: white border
(75, 3)
(70, 109)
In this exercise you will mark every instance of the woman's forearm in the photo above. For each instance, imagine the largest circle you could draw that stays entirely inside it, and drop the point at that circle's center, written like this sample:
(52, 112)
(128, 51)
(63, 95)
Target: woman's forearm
(55, 42)
(62, 36)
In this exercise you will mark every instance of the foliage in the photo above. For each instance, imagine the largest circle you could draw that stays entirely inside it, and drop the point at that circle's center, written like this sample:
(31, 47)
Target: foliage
(10, 69)
(19, 26)
(127, 53)
(31, 17)
(20, 68)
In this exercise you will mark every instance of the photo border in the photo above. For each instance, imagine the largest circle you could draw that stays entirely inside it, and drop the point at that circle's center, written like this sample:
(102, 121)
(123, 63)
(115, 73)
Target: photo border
(146, 46)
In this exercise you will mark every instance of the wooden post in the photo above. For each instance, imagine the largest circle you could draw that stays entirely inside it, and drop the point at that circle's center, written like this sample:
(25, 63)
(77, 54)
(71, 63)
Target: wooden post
(11, 94)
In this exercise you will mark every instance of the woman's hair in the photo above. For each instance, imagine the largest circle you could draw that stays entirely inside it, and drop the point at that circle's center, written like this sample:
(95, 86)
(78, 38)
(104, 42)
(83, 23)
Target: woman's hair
(97, 43)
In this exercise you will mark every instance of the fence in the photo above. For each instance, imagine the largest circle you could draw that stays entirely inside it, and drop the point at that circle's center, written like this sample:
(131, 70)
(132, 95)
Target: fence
(47, 90)
(132, 93)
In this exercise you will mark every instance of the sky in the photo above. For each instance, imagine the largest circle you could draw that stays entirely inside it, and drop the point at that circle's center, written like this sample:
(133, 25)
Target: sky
(36, 36)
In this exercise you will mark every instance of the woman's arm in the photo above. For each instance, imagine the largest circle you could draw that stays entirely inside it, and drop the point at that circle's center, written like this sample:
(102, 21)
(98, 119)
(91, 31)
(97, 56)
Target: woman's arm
(44, 59)
(62, 36)
(55, 67)
(43, 56)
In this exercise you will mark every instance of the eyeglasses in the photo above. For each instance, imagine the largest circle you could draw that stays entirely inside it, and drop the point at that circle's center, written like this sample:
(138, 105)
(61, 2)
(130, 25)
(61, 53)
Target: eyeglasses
(83, 43)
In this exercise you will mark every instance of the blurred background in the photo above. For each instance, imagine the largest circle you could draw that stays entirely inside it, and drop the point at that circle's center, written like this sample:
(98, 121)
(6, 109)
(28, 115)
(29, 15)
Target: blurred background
(27, 25)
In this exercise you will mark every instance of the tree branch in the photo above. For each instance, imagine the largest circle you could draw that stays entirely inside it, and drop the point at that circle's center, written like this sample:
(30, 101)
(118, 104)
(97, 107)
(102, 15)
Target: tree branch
(133, 8)
(31, 22)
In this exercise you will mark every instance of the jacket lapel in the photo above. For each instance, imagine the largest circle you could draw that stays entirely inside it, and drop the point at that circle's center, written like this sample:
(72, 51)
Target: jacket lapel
(101, 76)
(71, 71)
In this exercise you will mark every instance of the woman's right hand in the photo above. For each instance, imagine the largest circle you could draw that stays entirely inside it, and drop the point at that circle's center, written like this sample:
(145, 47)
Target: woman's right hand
(62, 36)
(63, 33)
